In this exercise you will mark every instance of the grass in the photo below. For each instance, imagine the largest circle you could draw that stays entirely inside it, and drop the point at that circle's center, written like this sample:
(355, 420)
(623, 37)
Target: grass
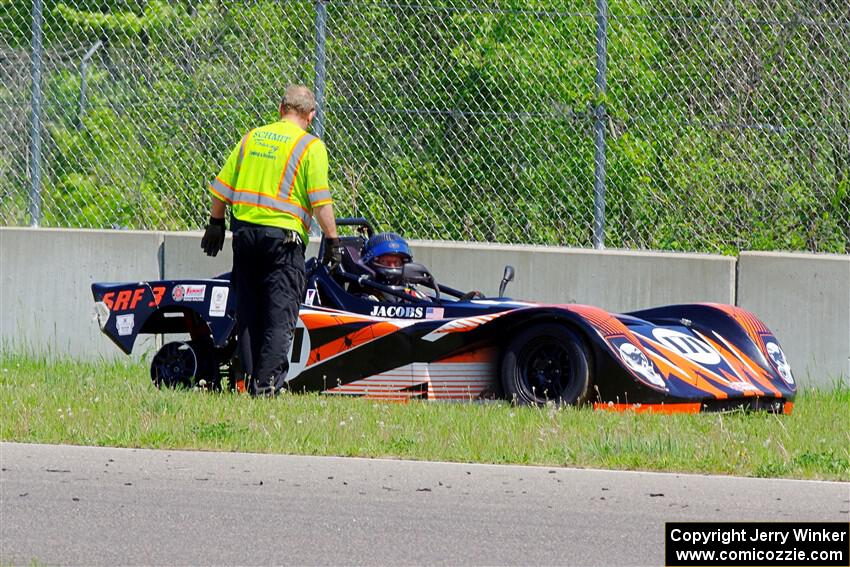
(114, 404)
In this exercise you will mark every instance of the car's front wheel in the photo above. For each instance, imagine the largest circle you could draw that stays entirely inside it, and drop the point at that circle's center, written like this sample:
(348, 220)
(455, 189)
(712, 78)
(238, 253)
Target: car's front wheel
(547, 363)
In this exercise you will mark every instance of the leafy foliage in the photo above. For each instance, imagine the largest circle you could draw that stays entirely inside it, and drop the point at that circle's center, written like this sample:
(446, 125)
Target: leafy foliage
(726, 124)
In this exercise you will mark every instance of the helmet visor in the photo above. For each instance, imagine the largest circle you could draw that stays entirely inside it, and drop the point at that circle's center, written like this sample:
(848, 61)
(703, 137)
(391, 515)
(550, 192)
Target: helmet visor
(392, 260)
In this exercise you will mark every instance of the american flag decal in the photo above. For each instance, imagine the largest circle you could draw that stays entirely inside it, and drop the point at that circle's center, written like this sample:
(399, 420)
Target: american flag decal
(434, 312)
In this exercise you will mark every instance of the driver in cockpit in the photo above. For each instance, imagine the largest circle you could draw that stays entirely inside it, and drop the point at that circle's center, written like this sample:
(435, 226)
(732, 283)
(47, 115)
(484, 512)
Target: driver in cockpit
(386, 254)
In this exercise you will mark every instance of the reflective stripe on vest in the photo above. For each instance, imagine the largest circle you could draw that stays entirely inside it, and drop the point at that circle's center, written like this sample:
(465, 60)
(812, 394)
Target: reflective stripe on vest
(291, 169)
(255, 199)
(242, 151)
(319, 195)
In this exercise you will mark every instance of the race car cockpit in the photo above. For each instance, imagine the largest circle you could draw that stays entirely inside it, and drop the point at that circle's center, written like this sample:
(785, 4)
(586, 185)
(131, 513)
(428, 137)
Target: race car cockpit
(354, 285)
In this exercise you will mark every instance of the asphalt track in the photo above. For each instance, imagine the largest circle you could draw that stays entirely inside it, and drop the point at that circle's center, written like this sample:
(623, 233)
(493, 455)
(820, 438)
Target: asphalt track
(103, 506)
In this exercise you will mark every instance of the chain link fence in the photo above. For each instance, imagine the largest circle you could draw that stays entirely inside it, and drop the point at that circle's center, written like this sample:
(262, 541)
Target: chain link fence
(705, 125)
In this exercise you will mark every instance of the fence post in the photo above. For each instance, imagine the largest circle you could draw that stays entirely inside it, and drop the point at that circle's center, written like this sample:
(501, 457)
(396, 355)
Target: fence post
(321, 39)
(600, 120)
(35, 142)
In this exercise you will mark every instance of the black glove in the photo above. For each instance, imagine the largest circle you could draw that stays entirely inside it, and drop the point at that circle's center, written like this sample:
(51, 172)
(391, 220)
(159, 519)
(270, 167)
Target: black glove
(213, 239)
(333, 253)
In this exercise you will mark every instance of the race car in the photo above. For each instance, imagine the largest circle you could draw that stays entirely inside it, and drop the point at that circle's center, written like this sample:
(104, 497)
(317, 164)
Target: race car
(448, 344)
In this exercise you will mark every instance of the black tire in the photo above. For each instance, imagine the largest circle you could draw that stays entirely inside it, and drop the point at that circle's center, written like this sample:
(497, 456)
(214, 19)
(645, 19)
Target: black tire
(174, 365)
(189, 364)
(547, 363)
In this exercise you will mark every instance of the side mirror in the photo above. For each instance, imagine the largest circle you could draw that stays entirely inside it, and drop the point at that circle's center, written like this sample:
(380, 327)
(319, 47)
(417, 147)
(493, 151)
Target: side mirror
(507, 277)
(416, 274)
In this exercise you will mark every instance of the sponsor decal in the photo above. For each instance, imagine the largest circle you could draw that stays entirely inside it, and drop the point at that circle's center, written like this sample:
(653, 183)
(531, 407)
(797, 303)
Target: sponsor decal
(688, 346)
(127, 299)
(311, 296)
(125, 324)
(177, 293)
(434, 312)
(776, 355)
(218, 301)
(194, 292)
(398, 311)
(637, 361)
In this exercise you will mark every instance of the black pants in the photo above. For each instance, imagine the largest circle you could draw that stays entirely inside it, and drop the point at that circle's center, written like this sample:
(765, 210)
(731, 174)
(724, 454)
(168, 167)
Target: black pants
(268, 279)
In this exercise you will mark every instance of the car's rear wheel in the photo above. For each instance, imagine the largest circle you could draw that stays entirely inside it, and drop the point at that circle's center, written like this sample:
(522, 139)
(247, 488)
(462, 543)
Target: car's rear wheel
(547, 363)
(174, 365)
(189, 364)
(186, 364)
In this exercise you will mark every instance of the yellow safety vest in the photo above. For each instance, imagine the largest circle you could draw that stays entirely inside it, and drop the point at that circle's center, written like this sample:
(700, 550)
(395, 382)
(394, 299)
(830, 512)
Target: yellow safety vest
(275, 176)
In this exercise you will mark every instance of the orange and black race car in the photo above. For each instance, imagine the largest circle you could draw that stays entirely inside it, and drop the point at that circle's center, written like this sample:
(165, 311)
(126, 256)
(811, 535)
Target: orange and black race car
(453, 345)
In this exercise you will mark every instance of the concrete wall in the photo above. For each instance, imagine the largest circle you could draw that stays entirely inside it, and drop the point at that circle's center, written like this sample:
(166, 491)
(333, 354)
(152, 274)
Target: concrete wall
(614, 280)
(183, 257)
(805, 300)
(46, 305)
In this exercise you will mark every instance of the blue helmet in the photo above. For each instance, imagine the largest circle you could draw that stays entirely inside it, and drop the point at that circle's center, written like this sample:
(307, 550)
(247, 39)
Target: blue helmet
(386, 243)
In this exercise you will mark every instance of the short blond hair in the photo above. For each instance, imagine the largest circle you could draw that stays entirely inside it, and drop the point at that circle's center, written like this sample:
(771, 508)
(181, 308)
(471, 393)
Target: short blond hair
(298, 99)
